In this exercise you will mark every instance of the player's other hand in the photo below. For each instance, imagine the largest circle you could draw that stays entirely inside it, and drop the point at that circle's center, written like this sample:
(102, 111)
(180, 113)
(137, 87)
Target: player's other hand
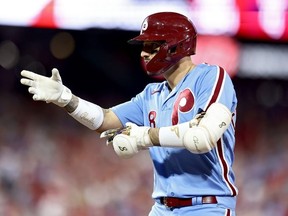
(49, 89)
(128, 141)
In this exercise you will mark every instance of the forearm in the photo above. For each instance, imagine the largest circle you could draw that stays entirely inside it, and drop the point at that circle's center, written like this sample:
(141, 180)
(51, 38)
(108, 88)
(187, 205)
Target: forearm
(92, 115)
(170, 136)
(154, 136)
(85, 112)
(200, 135)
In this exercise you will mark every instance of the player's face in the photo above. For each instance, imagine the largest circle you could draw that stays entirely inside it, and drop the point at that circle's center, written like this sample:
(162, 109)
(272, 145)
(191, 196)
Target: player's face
(149, 50)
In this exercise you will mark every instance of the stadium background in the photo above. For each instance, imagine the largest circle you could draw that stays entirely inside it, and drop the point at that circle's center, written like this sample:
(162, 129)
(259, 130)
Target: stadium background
(51, 165)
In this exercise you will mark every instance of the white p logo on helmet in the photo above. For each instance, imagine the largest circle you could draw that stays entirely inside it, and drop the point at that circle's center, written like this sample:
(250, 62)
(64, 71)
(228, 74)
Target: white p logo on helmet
(144, 26)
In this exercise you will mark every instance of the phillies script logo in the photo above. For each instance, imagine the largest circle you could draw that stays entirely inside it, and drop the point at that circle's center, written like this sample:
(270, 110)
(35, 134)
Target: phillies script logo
(183, 104)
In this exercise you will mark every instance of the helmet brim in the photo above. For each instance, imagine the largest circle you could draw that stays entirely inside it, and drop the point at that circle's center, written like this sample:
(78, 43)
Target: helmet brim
(145, 37)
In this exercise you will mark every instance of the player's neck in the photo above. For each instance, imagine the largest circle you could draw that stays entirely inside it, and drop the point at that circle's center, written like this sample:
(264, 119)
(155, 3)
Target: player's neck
(177, 72)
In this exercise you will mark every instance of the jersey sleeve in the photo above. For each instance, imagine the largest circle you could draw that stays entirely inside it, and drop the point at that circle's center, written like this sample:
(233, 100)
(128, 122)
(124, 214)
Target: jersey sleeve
(136, 109)
(216, 86)
(130, 111)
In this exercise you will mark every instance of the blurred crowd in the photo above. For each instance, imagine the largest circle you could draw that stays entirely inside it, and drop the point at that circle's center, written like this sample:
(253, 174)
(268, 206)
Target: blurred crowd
(50, 165)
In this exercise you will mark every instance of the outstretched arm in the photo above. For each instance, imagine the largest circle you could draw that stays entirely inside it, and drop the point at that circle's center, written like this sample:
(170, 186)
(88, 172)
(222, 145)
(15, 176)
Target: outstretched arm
(52, 90)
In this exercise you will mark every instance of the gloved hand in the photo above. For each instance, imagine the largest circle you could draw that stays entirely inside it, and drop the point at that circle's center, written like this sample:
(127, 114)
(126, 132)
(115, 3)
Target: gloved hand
(47, 89)
(128, 141)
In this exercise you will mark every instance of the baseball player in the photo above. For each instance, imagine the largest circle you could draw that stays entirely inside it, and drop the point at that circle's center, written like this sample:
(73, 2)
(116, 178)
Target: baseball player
(186, 121)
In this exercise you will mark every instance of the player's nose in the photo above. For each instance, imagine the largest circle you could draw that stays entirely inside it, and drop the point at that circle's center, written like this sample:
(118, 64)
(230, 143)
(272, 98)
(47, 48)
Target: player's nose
(144, 54)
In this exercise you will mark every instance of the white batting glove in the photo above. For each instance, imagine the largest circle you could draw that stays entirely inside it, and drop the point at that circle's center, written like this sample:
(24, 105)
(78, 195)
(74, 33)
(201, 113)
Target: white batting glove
(127, 142)
(49, 89)
(125, 146)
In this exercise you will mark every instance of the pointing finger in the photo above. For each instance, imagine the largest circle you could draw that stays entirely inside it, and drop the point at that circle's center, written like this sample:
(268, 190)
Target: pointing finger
(29, 74)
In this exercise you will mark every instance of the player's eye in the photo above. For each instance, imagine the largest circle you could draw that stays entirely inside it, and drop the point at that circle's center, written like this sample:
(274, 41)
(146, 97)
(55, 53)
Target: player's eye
(151, 48)
(154, 51)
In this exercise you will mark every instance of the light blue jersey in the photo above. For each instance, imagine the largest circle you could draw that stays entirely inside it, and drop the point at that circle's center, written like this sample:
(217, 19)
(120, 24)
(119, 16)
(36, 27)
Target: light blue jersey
(177, 171)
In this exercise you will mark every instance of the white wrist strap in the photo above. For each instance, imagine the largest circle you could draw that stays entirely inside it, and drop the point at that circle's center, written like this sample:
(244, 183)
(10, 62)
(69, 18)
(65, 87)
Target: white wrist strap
(173, 136)
(88, 114)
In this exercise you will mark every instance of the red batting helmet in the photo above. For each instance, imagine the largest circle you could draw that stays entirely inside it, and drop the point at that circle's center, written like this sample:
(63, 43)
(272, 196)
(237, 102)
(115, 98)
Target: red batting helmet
(177, 34)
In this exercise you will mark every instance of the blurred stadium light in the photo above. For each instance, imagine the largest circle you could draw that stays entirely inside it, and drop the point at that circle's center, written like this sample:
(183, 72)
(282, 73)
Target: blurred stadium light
(230, 20)
(258, 19)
